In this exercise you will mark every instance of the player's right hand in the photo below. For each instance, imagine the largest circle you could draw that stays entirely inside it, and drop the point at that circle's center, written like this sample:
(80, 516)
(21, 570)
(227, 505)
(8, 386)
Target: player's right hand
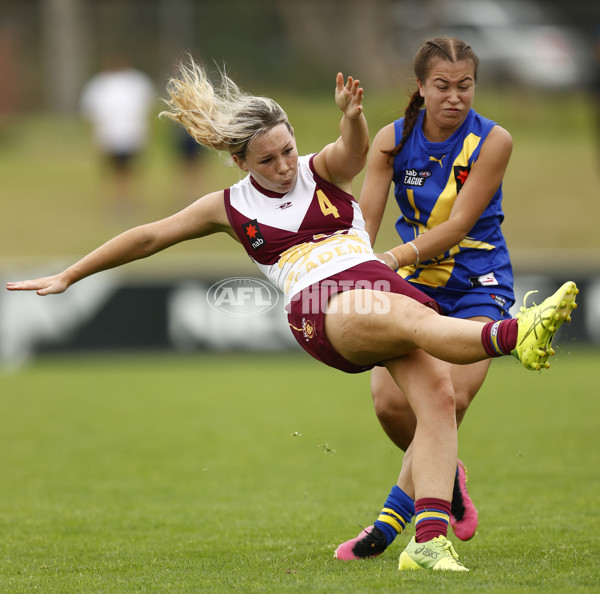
(42, 286)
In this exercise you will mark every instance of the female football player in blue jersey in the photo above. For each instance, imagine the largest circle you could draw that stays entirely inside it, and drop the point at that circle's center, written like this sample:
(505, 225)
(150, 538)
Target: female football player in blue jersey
(446, 163)
(297, 220)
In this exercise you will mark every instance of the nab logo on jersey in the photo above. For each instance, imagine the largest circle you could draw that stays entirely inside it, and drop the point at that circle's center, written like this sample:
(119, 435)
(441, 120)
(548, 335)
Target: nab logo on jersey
(252, 231)
(412, 177)
(460, 175)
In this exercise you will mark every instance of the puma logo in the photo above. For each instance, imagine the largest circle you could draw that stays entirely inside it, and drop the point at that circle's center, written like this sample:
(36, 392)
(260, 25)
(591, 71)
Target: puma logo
(437, 160)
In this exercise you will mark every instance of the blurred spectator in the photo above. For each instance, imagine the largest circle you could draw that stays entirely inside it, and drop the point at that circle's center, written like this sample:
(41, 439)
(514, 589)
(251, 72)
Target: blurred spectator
(189, 156)
(192, 157)
(118, 102)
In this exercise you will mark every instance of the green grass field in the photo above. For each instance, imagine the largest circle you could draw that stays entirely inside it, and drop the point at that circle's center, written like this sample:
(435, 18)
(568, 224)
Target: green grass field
(242, 473)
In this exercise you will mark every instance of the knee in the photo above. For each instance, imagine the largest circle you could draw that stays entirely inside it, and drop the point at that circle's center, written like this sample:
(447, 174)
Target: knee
(436, 410)
(445, 398)
(387, 406)
(389, 402)
(463, 399)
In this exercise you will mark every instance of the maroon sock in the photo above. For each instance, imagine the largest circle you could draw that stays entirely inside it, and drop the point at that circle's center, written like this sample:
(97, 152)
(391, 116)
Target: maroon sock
(431, 518)
(500, 338)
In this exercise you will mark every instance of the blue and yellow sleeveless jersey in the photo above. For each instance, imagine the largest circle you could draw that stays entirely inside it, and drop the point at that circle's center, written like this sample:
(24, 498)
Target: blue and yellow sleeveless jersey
(427, 179)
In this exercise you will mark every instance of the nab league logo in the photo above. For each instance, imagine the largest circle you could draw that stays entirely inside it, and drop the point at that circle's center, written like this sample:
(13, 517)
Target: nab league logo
(252, 232)
(501, 301)
(412, 177)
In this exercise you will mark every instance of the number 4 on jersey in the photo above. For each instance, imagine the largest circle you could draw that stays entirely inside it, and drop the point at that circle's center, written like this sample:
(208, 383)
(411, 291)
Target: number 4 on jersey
(326, 207)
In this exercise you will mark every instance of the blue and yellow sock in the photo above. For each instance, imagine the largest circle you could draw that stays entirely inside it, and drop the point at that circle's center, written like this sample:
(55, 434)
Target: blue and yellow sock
(397, 512)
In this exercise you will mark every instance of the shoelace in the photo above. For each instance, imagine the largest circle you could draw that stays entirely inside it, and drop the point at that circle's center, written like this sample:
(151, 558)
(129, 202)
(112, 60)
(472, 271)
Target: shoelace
(524, 306)
(448, 547)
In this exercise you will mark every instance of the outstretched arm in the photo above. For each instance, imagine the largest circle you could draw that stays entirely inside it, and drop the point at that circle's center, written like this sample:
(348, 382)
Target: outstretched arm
(342, 160)
(205, 216)
(378, 180)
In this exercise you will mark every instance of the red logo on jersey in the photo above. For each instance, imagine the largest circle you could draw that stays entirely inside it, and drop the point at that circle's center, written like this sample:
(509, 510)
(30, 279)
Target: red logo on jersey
(252, 231)
(460, 175)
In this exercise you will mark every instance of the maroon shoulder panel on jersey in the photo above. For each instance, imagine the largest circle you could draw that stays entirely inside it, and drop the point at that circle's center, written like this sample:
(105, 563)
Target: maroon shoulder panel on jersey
(330, 210)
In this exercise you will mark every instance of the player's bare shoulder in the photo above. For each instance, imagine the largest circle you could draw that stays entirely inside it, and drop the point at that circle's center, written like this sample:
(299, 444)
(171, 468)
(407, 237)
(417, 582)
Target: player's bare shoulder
(496, 149)
(385, 138)
(500, 138)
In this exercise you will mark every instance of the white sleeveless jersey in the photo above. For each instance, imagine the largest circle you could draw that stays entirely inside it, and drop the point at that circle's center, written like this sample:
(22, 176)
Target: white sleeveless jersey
(304, 236)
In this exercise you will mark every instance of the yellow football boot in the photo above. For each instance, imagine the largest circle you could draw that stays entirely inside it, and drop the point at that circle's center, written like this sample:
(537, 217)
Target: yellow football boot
(437, 554)
(538, 325)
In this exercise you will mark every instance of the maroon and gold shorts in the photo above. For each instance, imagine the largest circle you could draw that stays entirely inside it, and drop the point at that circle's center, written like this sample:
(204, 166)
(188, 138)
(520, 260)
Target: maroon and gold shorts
(306, 310)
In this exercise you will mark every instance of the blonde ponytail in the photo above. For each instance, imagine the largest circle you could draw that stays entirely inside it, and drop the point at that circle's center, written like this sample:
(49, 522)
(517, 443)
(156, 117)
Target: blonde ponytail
(223, 118)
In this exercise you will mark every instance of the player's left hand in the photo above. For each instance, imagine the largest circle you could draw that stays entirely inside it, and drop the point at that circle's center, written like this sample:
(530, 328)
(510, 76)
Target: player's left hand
(348, 96)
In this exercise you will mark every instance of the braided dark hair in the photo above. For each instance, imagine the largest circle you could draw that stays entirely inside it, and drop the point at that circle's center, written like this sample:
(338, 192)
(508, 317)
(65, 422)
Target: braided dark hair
(445, 48)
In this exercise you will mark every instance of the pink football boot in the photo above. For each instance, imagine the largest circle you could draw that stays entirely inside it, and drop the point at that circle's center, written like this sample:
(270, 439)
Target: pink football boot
(371, 542)
(463, 517)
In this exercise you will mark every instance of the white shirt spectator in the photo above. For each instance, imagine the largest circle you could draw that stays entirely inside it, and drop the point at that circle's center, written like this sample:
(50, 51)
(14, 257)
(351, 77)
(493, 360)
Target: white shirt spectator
(118, 104)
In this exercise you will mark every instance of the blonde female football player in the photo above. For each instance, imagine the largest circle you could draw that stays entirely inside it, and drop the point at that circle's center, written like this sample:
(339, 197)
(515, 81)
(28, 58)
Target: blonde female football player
(345, 307)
